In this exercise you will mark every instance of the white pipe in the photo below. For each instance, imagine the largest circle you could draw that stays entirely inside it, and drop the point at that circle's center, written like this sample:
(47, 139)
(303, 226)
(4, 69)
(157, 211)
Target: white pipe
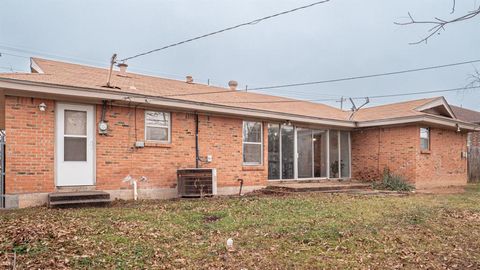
(135, 193)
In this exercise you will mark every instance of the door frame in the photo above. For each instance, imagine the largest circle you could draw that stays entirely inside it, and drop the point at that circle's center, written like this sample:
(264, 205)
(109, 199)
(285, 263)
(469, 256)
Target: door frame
(94, 141)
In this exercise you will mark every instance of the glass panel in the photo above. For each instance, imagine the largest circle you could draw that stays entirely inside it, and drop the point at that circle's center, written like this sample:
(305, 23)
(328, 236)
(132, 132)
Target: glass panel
(252, 131)
(305, 153)
(334, 169)
(287, 152)
(320, 153)
(75, 149)
(252, 153)
(424, 144)
(345, 155)
(424, 138)
(75, 123)
(159, 119)
(273, 151)
(424, 133)
(157, 134)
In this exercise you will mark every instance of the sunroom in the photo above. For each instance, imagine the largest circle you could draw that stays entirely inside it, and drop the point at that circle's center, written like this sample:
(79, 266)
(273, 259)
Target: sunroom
(300, 153)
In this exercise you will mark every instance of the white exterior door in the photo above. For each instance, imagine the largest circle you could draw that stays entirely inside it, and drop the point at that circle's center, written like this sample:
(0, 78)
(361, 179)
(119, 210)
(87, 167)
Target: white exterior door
(75, 145)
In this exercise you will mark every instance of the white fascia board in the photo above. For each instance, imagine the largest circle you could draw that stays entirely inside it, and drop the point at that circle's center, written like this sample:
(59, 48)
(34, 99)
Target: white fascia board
(35, 66)
(435, 103)
(13, 85)
(432, 119)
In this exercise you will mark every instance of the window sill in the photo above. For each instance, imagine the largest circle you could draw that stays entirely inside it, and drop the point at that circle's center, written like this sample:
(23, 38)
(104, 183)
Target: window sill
(253, 168)
(425, 152)
(158, 144)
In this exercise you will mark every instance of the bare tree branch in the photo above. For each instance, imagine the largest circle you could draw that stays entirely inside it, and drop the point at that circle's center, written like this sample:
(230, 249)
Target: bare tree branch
(474, 79)
(439, 24)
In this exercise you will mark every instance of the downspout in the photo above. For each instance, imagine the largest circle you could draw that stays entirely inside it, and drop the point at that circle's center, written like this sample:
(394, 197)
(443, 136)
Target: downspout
(197, 154)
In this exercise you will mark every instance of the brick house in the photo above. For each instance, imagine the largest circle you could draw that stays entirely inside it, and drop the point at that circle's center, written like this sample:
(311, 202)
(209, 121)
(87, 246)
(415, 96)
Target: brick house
(472, 117)
(65, 127)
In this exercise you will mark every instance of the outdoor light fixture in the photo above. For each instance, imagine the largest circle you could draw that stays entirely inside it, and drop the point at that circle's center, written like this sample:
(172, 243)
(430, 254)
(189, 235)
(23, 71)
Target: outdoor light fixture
(458, 128)
(42, 107)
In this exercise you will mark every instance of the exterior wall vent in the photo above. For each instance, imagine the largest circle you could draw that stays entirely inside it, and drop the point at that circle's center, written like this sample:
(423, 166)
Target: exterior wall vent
(197, 183)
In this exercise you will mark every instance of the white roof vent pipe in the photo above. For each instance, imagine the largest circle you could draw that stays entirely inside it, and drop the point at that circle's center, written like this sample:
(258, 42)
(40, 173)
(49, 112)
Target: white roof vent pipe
(233, 85)
(123, 69)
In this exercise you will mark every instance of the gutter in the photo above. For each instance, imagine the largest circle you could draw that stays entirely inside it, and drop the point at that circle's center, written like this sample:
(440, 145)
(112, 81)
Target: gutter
(431, 119)
(41, 89)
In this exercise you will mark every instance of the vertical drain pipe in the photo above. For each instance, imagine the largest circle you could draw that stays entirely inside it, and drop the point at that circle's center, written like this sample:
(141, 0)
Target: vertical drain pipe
(197, 155)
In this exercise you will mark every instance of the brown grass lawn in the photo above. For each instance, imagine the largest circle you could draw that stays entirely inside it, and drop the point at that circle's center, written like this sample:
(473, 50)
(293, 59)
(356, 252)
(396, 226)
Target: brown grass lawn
(309, 231)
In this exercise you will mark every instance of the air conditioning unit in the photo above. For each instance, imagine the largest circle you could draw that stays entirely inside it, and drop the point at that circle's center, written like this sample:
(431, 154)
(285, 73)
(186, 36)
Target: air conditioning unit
(197, 182)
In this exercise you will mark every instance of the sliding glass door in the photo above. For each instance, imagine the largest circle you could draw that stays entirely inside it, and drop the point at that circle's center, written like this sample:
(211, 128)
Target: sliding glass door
(303, 153)
(288, 151)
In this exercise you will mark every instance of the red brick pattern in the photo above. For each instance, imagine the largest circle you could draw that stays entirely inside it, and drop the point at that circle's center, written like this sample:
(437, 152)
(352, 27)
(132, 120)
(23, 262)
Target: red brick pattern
(31, 141)
(30, 145)
(378, 148)
(443, 165)
(398, 148)
(474, 138)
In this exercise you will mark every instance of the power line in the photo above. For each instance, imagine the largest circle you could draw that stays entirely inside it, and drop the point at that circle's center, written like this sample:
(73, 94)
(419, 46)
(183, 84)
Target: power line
(334, 80)
(364, 76)
(225, 29)
(370, 97)
(421, 92)
(141, 71)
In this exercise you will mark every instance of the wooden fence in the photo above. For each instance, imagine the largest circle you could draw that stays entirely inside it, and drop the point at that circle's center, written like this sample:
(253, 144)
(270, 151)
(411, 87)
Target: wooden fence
(474, 164)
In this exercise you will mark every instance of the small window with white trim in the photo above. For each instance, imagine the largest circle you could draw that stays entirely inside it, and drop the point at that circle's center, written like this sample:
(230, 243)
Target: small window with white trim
(157, 126)
(252, 143)
(424, 139)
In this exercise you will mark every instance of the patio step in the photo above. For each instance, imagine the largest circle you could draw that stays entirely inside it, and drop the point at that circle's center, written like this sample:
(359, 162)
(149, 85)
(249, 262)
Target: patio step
(76, 199)
(326, 187)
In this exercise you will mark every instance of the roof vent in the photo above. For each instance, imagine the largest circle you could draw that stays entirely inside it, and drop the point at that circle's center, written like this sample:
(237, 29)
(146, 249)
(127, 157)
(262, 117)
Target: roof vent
(123, 69)
(233, 85)
(189, 79)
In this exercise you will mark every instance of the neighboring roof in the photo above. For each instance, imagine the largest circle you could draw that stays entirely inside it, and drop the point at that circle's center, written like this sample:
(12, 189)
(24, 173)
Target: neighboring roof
(466, 114)
(58, 77)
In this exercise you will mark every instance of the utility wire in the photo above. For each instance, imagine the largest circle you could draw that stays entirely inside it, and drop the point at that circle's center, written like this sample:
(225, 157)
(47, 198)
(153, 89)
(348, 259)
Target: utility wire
(364, 76)
(333, 80)
(225, 29)
(364, 97)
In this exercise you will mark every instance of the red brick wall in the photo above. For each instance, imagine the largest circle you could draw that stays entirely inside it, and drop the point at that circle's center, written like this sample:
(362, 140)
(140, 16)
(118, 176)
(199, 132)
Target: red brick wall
(474, 138)
(30, 145)
(220, 137)
(443, 165)
(378, 148)
(398, 148)
(31, 140)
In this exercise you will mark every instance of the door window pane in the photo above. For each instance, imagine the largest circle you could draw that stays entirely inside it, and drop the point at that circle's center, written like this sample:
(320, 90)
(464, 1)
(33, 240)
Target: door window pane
(273, 151)
(320, 153)
(75, 123)
(345, 154)
(305, 153)
(334, 167)
(75, 149)
(287, 152)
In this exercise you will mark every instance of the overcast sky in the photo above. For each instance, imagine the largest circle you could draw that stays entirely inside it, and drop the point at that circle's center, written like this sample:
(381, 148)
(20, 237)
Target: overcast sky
(338, 39)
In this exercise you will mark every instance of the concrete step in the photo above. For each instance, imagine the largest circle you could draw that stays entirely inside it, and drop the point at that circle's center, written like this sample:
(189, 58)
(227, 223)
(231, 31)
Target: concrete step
(319, 187)
(84, 198)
